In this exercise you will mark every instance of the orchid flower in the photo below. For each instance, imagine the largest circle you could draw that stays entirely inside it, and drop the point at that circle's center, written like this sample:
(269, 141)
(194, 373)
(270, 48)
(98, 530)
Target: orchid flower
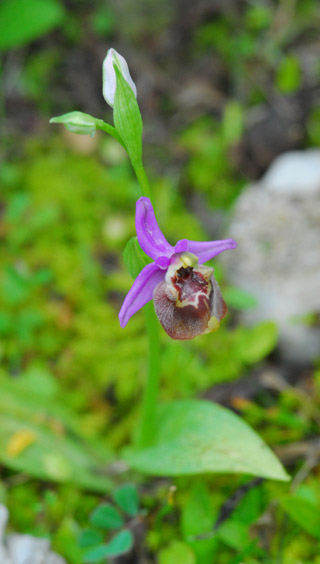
(186, 296)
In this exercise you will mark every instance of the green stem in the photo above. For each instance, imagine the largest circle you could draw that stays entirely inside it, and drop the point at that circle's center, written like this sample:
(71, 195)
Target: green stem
(142, 179)
(149, 402)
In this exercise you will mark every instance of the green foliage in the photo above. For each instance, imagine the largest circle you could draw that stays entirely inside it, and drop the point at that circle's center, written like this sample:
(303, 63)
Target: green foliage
(23, 21)
(195, 437)
(134, 257)
(127, 118)
(177, 551)
(209, 169)
(304, 512)
(103, 20)
(108, 517)
(257, 343)
(120, 544)
(55, 450)
(239, 299)
(197, 519)
(288, 75)
(126, 498)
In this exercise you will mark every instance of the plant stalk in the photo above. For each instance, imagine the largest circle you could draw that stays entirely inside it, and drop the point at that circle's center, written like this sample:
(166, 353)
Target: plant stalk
(149, 403)
(142, 179)
(147, 426)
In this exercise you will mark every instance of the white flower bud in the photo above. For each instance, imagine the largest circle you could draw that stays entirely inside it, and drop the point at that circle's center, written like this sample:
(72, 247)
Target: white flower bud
(109, 75)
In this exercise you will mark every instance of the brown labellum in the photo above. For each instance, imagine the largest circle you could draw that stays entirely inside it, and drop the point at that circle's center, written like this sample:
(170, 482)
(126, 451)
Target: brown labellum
(189, 302)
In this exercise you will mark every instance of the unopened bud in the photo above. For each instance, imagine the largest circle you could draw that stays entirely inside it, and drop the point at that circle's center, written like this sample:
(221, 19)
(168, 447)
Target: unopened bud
(109, 75)
(77, 122)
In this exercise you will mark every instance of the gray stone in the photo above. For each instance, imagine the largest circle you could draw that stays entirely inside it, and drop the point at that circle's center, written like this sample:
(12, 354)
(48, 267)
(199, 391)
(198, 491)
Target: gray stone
(276, 224)
(24, 549)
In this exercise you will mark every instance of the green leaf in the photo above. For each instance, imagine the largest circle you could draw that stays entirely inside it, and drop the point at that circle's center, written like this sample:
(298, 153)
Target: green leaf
(177, 552)
(232, 123)
(120, 544)
(196, 437)
(41, 437)
(239, 299)
(197, 519)
(235, 534)
(288, 77)
(134, 257)
(127, 499)
(304, 513)
(255, 344)
(127, 118)
(96, 554)
(23, 21)
(107, 517)
(90, 537)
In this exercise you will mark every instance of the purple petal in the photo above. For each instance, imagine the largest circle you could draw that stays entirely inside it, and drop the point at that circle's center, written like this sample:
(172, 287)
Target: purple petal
(163, 262)
(150, 238)
(181, 246)
(141, 291)
(207, 250)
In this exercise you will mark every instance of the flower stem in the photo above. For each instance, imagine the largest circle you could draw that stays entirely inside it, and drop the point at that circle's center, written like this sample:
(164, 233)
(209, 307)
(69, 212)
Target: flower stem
(147, 426)
(149, 403)
(142, 179)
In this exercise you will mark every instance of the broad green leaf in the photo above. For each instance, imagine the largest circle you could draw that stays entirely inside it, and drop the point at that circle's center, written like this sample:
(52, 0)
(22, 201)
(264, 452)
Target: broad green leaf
(134, 257)
(107, 517)
(305, 513)
(127, 499)
(196, 437)
(256, 343)
(23, 21)
(57, 450)
(120, 544)
(90, 537)
(127, 118)
(177, 552)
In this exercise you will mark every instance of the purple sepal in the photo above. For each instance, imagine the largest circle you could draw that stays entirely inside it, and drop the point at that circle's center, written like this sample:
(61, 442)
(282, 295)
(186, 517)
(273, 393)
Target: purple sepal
(206, 250)
(150, 238)
(141, 291)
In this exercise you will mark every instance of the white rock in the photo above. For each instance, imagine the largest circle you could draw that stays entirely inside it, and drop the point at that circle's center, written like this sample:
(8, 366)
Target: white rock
(24, 549)
(294, 173)
(278, 257)
(4, 515)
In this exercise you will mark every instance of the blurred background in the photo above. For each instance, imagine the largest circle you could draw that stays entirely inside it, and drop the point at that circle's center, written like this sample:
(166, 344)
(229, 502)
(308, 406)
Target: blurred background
(229, 93)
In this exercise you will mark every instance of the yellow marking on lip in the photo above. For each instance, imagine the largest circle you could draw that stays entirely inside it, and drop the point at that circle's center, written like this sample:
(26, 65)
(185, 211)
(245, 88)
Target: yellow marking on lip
(213, 325)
